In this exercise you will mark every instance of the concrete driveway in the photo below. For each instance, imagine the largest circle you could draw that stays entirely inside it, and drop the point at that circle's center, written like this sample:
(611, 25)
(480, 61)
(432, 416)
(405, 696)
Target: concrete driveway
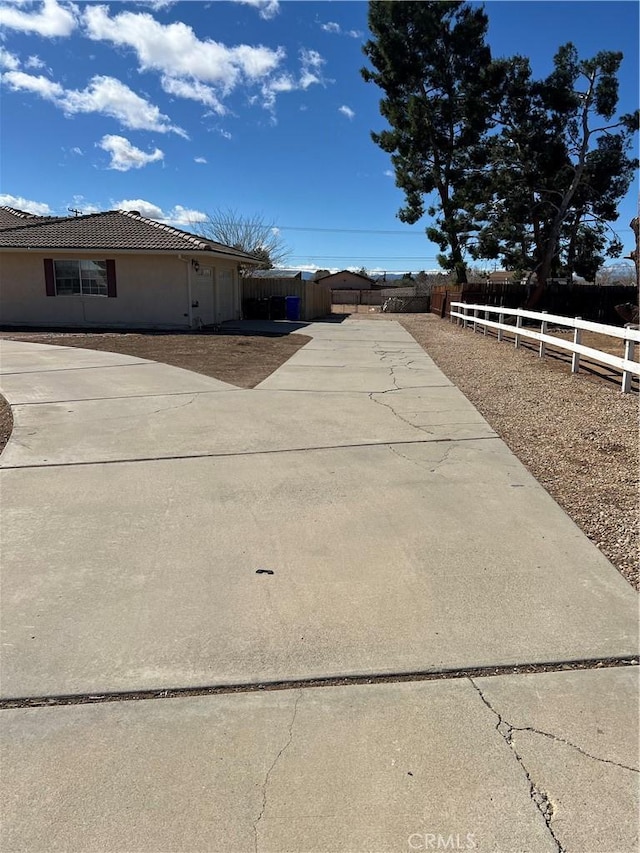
(353, 518)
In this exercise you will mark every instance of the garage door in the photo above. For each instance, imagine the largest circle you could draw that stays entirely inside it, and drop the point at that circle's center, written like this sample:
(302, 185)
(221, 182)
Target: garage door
(226, 302)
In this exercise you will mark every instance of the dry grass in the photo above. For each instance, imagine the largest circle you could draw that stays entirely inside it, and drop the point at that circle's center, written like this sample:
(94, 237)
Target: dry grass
(577, 434)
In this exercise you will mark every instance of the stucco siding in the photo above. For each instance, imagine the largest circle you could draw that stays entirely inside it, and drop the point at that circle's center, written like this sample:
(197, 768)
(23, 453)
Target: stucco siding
(152, 292)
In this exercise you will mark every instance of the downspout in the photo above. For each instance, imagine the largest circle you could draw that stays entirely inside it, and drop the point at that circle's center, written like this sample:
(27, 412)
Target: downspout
(190, 300)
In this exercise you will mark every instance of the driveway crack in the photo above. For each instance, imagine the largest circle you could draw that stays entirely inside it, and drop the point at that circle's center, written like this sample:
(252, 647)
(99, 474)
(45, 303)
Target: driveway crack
(539, 797)
(431, 467)
(265, 784)
(372, 396)
(178, 406)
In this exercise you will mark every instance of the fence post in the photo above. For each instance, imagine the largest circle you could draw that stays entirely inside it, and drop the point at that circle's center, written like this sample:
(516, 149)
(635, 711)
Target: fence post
(629, 347)
(476, 314)
(500, 320)
(464, 311)
(516, 341)
(575, 358)
(486, 317)
(543, 331)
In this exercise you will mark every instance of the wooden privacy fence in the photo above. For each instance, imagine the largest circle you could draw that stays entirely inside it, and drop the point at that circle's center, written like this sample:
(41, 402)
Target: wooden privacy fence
(357, 297)
(315, 300)
(441, 299)
(370, 297)
(592, 302)
(478, 315)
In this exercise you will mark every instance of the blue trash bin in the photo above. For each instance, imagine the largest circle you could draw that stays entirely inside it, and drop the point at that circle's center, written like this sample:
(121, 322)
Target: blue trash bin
(293, 307)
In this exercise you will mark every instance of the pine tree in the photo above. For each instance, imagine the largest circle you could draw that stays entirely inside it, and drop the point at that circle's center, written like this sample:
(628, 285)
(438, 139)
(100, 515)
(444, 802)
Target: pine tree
(438, 80)
(560, 166)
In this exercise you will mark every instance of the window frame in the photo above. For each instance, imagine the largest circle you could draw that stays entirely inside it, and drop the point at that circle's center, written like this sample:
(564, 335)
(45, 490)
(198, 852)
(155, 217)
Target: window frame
(51, 277)
(81, 292)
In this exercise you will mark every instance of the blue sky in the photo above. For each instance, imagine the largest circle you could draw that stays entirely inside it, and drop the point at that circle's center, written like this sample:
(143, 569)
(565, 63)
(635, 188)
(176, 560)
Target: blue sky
(176, 109)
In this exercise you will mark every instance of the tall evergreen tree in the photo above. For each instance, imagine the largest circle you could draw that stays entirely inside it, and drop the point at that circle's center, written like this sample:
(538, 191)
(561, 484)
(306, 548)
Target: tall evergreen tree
(435, 70)
(561, 165)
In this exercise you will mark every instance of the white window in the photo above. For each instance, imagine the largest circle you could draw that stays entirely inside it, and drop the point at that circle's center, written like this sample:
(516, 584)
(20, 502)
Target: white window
(85, 278)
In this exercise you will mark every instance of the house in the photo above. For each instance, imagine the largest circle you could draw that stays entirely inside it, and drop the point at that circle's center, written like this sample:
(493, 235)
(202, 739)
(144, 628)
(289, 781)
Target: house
(346, 280)
(113, 269)
(500, 277)
(277, 273)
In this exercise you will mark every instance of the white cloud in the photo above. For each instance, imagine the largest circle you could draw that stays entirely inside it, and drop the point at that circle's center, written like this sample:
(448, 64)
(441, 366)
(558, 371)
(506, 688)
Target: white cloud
(389, 174)
(78, 151)
(34, 62)
(80, 203)
(178, 215)
(267, 8)
(20, 203)
(202, 70)
(194, 91)
(225, 134)
(21, 82)
(52, 19)
(144, 208)
(311, 64)
(272, 88)
(333, 27)
(125, 156)
(9, 60)
(104, 95)
(199, 160)
(184, 216)
(346, 111)
(156, 5)
(110, 97)
(175, 50)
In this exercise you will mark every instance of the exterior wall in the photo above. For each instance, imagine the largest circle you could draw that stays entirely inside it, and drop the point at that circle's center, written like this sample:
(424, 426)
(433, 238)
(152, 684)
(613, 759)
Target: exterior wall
(152, 292)
(345, 281)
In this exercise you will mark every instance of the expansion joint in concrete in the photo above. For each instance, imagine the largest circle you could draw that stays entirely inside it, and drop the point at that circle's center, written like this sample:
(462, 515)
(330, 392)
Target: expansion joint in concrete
(94, 698)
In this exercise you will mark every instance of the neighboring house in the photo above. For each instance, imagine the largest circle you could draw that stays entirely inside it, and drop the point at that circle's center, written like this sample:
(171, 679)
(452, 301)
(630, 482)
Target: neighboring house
(300, 275)
(500, 277)
(10, 217)
(113, 269)
(346, 280)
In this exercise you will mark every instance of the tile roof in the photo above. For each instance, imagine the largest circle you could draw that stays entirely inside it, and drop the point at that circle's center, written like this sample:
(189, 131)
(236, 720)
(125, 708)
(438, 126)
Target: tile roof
(11, 216)
(112, 230)
(349, 272)
(275, 273)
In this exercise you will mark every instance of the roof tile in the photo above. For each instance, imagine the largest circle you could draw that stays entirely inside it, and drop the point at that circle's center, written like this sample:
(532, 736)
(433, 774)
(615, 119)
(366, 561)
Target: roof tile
(112, 230)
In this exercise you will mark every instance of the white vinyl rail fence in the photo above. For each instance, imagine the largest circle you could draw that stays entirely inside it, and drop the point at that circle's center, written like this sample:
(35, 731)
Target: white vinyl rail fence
(470, 315)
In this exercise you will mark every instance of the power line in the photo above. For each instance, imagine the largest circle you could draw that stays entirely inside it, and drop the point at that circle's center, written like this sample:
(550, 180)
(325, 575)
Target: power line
(365, 257)
(363, 230)
(349, 230)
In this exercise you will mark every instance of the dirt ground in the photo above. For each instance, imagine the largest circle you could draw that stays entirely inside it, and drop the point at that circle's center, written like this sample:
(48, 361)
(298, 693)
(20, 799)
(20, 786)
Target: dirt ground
(6, 422)
(576, 433)
(243, 359)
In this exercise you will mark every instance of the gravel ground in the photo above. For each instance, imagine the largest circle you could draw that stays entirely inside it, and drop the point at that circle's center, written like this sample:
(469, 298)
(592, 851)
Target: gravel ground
(577, 434)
